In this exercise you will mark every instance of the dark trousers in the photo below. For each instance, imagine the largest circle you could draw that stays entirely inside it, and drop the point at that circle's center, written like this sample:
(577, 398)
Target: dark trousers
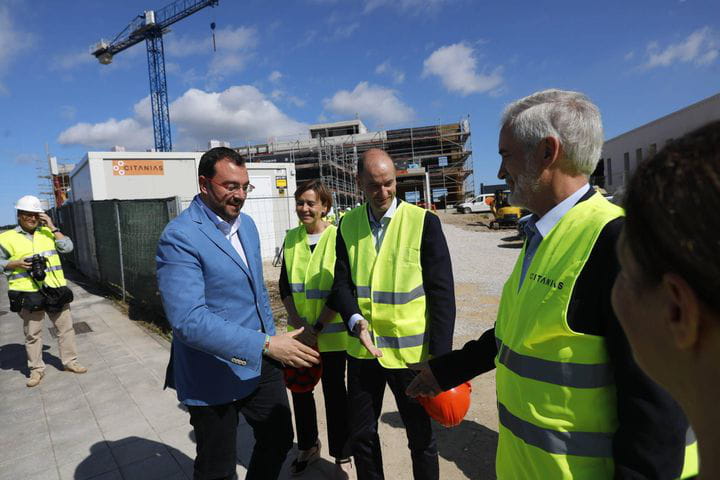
(366, 386)
(336, 408)
(266, 410)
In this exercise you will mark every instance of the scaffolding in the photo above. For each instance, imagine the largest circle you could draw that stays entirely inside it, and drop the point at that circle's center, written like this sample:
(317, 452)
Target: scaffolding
(332, 151)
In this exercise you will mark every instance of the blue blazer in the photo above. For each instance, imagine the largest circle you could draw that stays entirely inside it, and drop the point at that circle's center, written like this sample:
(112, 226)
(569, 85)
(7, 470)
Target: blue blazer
(217, 307)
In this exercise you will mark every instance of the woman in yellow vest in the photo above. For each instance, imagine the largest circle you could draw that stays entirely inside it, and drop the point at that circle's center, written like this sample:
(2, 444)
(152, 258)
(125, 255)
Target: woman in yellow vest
(305, 282)
(666, 296)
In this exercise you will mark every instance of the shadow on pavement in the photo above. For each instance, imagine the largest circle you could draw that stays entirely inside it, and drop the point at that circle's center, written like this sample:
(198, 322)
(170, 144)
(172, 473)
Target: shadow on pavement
(470, 446)
(13, 357)
(512, 238)
(134, 457)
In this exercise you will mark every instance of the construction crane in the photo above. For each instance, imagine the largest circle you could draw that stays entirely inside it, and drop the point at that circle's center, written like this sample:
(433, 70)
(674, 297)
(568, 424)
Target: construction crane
(150, 26)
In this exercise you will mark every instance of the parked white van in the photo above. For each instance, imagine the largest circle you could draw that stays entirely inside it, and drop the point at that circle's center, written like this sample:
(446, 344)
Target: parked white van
(478, 204)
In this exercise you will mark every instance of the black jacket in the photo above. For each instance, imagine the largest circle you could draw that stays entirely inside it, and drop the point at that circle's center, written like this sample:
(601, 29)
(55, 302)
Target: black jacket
(437, 282)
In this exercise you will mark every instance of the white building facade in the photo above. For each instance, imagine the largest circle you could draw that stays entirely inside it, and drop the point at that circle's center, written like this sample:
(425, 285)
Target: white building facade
(151, 175)
(622, 154)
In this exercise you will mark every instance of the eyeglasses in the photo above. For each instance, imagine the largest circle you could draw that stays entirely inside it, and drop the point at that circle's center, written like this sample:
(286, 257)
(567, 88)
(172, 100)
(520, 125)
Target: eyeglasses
(234, 187)
(29, 214)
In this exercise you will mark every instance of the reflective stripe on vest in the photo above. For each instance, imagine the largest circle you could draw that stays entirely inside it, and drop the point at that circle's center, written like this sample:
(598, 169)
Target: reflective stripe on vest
(577, 375)
(389, 284)
(311, 275)
(19, 247)
(392, 298)
(586, 444)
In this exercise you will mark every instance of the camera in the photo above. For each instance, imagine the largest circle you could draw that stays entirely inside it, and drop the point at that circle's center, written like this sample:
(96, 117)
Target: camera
(37, 267)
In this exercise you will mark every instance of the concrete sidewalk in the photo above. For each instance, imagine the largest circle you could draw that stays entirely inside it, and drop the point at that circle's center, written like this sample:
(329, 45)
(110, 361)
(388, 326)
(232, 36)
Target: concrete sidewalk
(114, 422)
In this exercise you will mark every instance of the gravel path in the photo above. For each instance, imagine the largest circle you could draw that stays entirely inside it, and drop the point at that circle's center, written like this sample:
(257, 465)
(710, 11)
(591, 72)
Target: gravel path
(482, 260)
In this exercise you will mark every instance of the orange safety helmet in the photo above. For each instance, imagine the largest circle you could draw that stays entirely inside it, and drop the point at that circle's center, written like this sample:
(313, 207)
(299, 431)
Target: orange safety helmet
(450, 407)
(303, 379)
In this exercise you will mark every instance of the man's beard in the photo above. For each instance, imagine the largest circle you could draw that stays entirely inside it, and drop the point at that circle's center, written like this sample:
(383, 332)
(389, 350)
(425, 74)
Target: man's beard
(526, 184)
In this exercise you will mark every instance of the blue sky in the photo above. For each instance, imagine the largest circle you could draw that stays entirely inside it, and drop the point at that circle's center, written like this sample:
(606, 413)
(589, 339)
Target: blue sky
(281, 65)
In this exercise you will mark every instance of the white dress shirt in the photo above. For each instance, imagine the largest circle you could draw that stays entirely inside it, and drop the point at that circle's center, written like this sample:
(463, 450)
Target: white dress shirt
(537, 228)
(229, 231)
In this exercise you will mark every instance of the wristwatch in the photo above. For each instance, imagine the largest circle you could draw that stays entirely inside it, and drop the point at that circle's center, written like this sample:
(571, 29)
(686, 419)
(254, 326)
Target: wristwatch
(55, 231)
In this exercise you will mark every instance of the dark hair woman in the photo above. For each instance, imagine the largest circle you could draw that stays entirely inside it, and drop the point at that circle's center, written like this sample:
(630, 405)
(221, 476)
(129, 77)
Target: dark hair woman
(667, 296)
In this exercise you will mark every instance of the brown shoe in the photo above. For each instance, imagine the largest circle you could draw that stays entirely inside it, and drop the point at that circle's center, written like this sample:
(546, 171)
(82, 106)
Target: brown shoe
(75, 367)
(35, 377)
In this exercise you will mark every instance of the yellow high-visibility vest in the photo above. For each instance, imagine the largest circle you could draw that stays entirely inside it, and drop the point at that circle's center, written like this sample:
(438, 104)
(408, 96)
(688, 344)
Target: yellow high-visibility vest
(311, 275)
(19, 247)
(389, 285)
(555, 387)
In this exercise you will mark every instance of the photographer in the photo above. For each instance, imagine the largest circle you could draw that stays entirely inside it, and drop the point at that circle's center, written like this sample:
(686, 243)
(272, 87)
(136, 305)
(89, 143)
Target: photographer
(36, 284)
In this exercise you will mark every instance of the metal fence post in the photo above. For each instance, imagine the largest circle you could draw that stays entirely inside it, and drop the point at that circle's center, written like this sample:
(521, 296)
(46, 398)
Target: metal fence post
(120, 248)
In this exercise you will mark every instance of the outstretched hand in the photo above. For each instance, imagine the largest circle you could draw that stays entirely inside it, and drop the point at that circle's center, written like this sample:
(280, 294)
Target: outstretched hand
(287, 350)
(424, 384)
(363, 333)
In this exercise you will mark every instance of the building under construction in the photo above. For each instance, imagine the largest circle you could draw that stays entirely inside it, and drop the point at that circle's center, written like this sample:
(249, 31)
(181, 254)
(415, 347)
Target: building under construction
(431, 161)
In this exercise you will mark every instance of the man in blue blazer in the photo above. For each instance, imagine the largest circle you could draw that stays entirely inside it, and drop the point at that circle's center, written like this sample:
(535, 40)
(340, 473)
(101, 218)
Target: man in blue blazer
(226, 355)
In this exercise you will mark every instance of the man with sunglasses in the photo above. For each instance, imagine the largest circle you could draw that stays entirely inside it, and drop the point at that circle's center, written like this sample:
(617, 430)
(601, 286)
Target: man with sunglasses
(226, 356)
(36, 234)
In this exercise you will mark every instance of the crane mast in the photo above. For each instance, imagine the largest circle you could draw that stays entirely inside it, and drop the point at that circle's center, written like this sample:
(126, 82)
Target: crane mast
(150, 27)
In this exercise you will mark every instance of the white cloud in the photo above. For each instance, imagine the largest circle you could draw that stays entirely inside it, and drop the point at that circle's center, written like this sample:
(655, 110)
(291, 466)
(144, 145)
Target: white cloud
(237, 114)
(701, 47)
(282, 95)
(27, 158)
(386, 68)
(630, 55)
(235, 47)
(456, 66)
(412, 6)
(13, 43)
(345, 31)
(275, 76)
(370, 101)
(68, 61)
(127, 132)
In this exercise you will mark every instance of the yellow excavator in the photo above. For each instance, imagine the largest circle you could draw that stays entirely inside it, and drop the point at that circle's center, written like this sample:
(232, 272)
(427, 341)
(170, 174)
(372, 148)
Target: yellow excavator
(506, 215)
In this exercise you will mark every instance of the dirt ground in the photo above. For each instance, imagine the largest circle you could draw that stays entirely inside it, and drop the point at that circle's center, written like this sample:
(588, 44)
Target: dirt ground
(467, 450)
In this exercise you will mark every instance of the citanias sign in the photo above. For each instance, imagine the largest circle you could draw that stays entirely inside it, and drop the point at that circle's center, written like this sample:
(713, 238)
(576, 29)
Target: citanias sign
(138, 167)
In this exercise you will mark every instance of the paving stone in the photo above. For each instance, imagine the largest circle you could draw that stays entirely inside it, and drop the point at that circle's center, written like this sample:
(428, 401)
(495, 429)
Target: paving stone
(157, 467)
(180, 439)
(23, 467)
(50, 474)
(23, 445)
(135, 449)
(33, 425)
(89, 464)
(124, 424)
(114, 475)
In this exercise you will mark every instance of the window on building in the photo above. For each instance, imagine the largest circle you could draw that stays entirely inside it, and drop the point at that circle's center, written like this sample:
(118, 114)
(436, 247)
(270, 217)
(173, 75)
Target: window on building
(626, 165)
(608, 167)
(638, 156)
(668, 141)
(653, 149)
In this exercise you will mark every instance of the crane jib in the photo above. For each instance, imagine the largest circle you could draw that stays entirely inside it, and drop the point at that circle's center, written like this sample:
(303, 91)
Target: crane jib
(150, 27)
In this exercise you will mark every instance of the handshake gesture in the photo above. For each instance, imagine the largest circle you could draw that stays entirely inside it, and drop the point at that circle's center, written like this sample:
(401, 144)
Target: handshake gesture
(288, 350)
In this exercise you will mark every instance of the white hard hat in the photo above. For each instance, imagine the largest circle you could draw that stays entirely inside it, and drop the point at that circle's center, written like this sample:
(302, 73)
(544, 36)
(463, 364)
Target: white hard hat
(29, 203)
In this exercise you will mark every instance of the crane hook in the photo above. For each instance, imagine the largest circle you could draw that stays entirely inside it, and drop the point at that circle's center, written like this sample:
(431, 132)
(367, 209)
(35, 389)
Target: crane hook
(212, 27)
